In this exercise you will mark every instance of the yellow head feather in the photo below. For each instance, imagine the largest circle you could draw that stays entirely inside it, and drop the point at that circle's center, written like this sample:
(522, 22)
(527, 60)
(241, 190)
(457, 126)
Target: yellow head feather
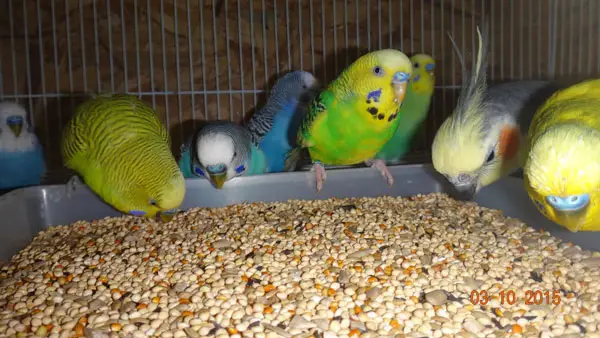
(423, 76)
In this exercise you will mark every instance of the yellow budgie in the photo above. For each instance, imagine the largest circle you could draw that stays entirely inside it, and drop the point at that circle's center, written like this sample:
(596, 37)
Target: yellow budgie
(561, 166)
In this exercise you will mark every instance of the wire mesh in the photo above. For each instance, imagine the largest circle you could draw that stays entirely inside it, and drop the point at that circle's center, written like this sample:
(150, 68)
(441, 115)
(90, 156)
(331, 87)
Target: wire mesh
(199, 60)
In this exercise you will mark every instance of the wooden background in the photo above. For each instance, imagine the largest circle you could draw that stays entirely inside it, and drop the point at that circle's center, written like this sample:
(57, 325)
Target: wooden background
(227, 52)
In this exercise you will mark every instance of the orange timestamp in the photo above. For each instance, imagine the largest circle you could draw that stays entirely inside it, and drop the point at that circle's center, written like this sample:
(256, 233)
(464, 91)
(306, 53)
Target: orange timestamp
(531, 297)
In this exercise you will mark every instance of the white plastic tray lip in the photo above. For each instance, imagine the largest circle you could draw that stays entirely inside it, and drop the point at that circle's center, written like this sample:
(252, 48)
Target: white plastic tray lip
(27, 211)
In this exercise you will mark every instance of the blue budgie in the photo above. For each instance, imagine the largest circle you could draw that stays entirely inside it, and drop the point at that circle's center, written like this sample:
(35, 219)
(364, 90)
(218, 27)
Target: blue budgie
(21, 154)
(274, 127)
(220, 151)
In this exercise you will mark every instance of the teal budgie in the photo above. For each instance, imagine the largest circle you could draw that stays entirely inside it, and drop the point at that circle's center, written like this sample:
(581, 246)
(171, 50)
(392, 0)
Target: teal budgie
(220, 151)
(413, 111)
(121, 148)
(356, 115)
(274, 127)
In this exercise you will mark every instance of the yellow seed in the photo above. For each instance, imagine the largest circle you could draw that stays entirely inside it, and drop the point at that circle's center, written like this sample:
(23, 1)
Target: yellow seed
(516, 328)
(415, 299)
(498, 312)
(388, 270)
(232, 330)
(358, 310)
(79, 330)
(156, 300)
(394, 323)
(557, 273)
(268, 309)
(187, 314)
(141, 306)
(372, 279)
(408, 282)
(184, 301)
(333, 307)
(330, 292)
(354, 332)
(116, 327)
(268, 288)
(569, 319)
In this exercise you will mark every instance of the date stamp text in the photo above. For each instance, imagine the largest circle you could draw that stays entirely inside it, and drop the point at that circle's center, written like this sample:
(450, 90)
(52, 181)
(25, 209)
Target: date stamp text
(530, 297)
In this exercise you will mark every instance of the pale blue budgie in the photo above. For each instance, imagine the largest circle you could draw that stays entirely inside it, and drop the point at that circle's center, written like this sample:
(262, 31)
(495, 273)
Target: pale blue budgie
(220, 151)
(274, 127)
(21, 154)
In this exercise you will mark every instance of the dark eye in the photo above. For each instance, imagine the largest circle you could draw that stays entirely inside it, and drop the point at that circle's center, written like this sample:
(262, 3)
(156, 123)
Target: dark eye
(490, 157)
(378, 71)
(153, 202)
(416, 65)
(234, 153)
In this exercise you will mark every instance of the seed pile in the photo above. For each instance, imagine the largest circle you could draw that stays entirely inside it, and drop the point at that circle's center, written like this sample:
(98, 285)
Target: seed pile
(367, 267)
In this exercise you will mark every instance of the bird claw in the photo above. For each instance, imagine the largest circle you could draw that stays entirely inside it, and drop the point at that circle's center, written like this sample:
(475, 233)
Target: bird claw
(380, 165)
(72, 185)
(320, 174)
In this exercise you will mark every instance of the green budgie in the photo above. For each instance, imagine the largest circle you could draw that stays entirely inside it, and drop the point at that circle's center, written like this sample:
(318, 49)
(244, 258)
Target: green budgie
(414, 110)
(122, 150)
(351, 120)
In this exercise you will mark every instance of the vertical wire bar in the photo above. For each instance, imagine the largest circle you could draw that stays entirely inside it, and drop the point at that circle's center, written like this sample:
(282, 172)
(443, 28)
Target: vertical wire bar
(151, 53)
(215, 46)
(124, 42)
(443, 43)
(110, 47)
(82, 41)
(312, 35)
(401, 21)
(253, 46)
(226, 5)
(97, 45)
(391, 38)
(69, 61)
(492, 55)
(357, 28)
(464, 34)
(530, 41)
(423, 27)
(379, 37)
(369, 24)
(590, 33)
(335, 59)
(540, 34)
(42, 71)
(521, 42)
(287, 33)
(432, 109)
(2, 80)
(570, 57)
(191, 62)
(56, 68)
(137, 47)
(28, 64)
(512, 42)
(552, 37)
(452, 5)
(580, 38)
(502, 42)
(276, 33)
(323, 39)
(598, 21)
(565, 54)
(412, 26)
(164, 62)
(347, 52)
(178, 68)
(204, 65)
(300, 33)
(264, 34)
(239, 21)
(13, 49)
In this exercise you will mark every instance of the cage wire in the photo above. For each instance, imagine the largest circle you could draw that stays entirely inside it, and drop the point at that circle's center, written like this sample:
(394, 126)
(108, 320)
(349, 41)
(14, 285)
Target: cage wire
(207, 60)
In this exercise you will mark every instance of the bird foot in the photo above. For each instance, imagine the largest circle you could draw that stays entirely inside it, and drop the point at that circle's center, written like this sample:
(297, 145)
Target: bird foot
(72, 185)
(320, 174)
(380, 165)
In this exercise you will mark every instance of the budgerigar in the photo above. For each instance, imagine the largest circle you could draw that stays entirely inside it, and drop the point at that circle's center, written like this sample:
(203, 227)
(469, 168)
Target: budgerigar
(274, 127)
(480, 142)
(121, 148)
(21, 154)
(561, 165)
(220, 151)
(352, 119)
(413, 111)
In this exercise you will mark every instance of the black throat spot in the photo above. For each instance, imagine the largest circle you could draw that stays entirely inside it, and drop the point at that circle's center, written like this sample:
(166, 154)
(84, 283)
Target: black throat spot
(373, 110)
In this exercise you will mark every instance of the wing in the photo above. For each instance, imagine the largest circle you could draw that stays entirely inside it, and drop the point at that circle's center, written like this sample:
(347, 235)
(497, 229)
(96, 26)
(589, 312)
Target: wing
(260, 123)
(317, 111)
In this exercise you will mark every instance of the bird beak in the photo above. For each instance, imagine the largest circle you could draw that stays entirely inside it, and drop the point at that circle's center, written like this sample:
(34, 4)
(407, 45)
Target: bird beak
(16, 128)
(167, 216)
(399, 83)
(466, 192)
(219, 179)
(571, 219)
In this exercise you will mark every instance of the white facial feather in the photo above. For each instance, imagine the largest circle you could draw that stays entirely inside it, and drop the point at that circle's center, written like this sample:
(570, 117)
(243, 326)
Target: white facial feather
(216, 149)
(308, 79)
(8, 141)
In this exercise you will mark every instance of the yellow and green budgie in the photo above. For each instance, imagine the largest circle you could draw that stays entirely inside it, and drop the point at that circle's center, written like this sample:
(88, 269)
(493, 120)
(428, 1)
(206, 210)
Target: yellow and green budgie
(414, 110)
(121, 149)
(561, 166)
(353, 118)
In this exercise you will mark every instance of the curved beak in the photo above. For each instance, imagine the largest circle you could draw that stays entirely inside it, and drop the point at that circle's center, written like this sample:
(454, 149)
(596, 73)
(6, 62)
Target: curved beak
(167, 216)
(16, 126)
(399, 83)
(466, 192)
(571, 219)
(218, 179)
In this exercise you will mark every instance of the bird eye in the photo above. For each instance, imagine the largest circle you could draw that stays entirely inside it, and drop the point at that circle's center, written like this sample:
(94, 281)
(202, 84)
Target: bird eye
(416, 65)
(235, 154)
(378, 71)
(153, 202)
(490, 157)
(240, 169)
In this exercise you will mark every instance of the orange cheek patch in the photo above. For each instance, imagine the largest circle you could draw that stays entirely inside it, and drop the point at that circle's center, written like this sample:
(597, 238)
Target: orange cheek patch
(510, 139)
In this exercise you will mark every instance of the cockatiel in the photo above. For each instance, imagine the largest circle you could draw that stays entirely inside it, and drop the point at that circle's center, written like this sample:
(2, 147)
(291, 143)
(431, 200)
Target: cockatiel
(480, 142)
(120, 147)
(274, 127)
(352, 119)
(220, 151)
(21, 155)
(561, 167)
(413, 111)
